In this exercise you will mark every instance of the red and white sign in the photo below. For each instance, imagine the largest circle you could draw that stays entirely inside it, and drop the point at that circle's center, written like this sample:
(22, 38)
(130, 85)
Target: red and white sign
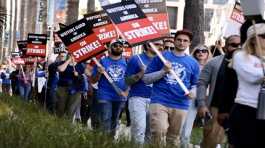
(36, 50)
(160, 21)
(156, 12)
(131, 23)
(86, 48)
(237, 14)
(18, 60)
(106, 33)
(32, 60)
(81, 41)
(36, 45)
(102, 26)
(138, 31)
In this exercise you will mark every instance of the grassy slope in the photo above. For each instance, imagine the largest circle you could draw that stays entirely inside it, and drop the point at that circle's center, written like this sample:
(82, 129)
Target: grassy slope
(24, 125)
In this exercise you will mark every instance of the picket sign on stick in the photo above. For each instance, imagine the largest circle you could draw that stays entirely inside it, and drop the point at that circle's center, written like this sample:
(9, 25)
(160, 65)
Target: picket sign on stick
(23, 73)
(185, 89)
(116, 88)
(34, 72)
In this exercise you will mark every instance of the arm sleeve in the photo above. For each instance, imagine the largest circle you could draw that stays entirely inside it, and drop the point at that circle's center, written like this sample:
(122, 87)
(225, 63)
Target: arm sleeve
(195, 75)
(154, 71)
(131, 71)
(153, 77)
(247, 70)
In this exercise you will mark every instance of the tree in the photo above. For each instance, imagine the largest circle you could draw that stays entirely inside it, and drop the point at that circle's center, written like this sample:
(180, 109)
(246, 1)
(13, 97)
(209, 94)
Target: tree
(3, 15)
(72, 11)
(194, 20)
(2, 19)
(90, 6)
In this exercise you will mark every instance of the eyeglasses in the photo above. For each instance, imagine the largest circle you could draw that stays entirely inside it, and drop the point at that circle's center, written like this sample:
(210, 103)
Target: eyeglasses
(262, 36)
(234, 45)
(182, 40)
(169, 48)
(201, 51)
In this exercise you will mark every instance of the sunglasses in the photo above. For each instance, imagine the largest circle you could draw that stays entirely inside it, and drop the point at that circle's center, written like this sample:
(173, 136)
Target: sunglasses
(117, 45)
(262, 36)
(201, 51)
(182, 40)
(169, 48)
(234, 45)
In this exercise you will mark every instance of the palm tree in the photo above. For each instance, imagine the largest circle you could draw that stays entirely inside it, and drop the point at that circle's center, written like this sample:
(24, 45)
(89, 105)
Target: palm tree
(194, 20)
(72, 11)
(90, 6)
(3, 16)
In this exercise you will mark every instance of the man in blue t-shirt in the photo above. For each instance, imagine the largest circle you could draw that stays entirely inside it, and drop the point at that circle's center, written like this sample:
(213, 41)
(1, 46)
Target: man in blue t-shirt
(169, 104)
(139, 95)
(111, 101)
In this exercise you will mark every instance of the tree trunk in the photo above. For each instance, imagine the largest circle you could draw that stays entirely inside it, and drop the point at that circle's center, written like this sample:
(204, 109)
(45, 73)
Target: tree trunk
(194, 20)
(11, 23)
(14, 27)
(90, 6)
(3, 13)
(21, 19)
(72, 11)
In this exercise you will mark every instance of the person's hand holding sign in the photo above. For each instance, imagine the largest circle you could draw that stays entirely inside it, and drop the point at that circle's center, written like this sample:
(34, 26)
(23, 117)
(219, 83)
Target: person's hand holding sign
(167, 67)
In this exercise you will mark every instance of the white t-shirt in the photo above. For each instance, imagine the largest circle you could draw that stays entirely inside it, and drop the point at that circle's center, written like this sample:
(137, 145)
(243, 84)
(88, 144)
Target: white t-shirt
(250, 74)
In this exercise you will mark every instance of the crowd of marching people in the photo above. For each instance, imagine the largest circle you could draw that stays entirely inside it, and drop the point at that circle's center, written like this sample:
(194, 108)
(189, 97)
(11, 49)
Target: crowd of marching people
(223, 83)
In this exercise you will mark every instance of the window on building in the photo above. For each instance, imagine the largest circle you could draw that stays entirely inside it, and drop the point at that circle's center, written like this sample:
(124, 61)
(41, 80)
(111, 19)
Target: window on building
(208, 15)
(172, 14)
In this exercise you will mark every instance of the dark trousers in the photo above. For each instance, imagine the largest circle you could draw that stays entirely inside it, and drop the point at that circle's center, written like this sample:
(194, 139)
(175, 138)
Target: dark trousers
(110, 112)
(67, 104)
(85, 110)
(50, 99)
(246, 131)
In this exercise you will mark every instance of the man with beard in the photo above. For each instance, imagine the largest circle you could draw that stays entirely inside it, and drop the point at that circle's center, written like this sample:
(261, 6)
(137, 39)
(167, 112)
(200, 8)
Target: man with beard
(111, 101)
(169, 104)
(223, 87)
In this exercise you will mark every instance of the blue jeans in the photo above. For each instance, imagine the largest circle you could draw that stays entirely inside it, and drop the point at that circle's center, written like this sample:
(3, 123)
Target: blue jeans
(188, 124)
(24, 91)
(139, 113)
(110, 111)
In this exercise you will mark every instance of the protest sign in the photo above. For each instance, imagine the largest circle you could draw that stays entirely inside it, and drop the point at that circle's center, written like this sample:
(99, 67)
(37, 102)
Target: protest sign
(59, 48)
(15, 54)
(80, 40)
(131, 23)
(237, 14)
(22, 46)
(36, 45)
(233, 23)
(18, 60)
(156, 12)
(29, 60)
(102, 26)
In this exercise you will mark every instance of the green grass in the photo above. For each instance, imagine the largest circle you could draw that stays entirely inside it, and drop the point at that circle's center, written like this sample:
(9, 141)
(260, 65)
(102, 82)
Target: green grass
(27, 125)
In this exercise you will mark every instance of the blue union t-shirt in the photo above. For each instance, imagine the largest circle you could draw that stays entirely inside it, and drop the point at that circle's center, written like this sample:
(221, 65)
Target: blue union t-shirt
(116, 70)
(167, 91)
(139, 89)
